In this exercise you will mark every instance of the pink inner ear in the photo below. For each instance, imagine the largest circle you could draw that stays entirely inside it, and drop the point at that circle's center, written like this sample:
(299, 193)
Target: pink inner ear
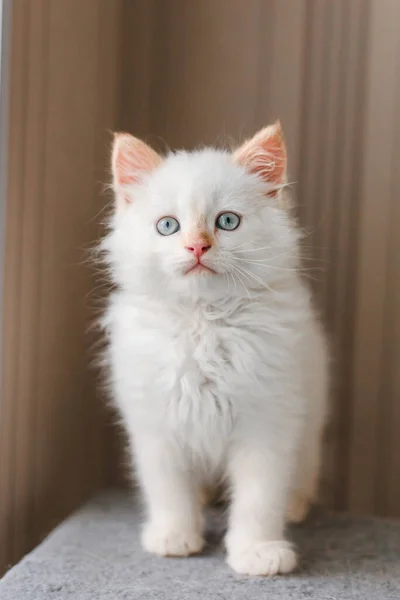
(274, 169)
(265, 155)
(131, 159)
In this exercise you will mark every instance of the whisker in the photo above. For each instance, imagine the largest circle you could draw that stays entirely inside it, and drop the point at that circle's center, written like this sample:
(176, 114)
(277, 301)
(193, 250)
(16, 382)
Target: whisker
(237, 272)
(226, 276)
(263, 263)
(244, 244)
(314, 259)
(234, 282)
(258, 249)
(256, 279)
(273, 257)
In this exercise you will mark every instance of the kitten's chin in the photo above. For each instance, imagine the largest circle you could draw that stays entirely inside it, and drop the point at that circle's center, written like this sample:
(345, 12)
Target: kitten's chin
(205, 285)
(200, 284)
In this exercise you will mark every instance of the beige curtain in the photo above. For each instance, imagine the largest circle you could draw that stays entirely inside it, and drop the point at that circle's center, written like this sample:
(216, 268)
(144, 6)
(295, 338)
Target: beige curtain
(53, 433)
(184, 73)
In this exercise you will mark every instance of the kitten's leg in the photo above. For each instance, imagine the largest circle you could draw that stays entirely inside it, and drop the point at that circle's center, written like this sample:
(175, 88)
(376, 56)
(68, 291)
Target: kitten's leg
(305, 486)
(175, 521)
(255, 541)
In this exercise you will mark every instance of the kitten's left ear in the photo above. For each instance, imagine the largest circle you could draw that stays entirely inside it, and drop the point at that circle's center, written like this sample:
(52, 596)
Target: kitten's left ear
(265, 155)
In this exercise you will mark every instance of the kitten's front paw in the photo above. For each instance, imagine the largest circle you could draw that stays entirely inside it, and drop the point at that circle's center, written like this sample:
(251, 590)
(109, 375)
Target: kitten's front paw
(171, 541)
(263, 558)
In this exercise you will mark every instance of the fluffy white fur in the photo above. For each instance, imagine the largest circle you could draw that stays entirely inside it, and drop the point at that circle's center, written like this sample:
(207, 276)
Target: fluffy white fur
(218, 377)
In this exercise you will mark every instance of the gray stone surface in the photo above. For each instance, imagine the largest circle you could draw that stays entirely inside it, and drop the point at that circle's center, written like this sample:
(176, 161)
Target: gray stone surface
(96, 555)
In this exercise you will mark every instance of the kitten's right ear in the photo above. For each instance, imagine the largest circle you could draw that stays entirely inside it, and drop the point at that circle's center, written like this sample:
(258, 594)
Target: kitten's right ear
(264, 155)
(131, 159)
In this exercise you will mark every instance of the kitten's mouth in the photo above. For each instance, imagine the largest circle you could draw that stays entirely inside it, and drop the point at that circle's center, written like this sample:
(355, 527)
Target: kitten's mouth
(198, 267)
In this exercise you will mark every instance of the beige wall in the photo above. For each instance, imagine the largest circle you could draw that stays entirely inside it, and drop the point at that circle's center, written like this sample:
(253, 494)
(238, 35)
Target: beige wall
(184, 73)
(53, 440)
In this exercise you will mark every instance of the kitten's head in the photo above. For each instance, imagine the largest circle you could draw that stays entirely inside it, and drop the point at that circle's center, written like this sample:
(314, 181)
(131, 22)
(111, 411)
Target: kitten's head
(207, 223)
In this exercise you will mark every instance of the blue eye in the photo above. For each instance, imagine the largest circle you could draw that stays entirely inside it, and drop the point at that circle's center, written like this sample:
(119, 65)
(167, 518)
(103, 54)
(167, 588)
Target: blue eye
(168, 226)
(228, 221)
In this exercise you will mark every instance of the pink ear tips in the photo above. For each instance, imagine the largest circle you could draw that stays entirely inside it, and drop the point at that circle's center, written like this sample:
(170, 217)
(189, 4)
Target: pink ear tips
(265, 155)
(122, 142)
(131, 159)
(116, 137)
(274, 133)
(279, 130)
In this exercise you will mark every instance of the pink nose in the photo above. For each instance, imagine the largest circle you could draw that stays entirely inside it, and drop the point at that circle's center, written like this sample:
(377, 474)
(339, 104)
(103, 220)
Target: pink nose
(198, 249)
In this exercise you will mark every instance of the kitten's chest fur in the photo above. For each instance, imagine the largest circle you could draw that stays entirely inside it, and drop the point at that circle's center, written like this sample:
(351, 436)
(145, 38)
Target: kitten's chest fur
(194, 372)
(205, 375)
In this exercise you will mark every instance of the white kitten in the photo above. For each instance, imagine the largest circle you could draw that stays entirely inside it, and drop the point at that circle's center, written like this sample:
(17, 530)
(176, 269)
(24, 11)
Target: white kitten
(218, 363)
